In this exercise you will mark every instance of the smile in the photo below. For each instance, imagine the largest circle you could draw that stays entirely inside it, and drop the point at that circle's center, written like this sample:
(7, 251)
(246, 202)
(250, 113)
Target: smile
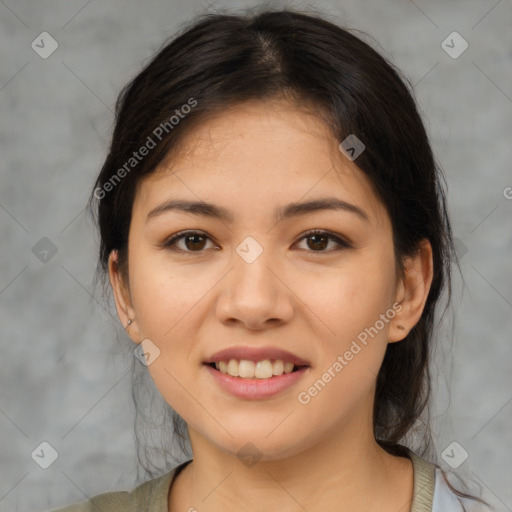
(245, 369)
(252, 373)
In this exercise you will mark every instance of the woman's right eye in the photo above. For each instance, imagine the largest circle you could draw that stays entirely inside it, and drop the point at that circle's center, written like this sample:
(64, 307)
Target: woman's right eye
(193, 241)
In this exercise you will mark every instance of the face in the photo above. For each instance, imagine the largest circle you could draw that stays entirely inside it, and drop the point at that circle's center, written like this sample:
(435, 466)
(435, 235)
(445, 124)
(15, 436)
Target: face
(247, 281)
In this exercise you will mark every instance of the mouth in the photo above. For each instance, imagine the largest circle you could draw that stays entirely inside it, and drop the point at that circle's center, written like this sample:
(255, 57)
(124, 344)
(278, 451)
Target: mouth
(252, 373)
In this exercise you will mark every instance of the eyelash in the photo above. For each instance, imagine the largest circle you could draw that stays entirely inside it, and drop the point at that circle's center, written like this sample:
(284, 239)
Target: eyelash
(171, 242)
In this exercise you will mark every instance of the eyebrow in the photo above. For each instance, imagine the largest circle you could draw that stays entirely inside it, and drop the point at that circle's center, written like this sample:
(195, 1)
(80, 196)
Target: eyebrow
(281, 213)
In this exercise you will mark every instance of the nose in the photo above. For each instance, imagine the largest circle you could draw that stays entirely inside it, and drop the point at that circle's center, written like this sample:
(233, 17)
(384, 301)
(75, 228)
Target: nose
(255, 294)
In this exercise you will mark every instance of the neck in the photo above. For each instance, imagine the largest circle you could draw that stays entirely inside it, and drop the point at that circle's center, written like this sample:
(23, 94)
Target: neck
(349, 472)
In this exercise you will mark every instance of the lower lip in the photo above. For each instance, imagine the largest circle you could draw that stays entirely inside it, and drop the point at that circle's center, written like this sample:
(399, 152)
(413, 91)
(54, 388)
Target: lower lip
(256, 389)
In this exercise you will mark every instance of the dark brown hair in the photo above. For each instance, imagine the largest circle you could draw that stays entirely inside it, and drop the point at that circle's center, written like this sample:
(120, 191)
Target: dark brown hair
(220, 60)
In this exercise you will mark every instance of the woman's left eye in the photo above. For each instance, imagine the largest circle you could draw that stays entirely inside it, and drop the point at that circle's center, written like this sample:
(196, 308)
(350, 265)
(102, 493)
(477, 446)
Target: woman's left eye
(195, 241)
(320, 239)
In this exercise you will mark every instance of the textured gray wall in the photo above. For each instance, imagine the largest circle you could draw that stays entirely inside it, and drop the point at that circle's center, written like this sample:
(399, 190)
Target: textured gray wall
(63, 379)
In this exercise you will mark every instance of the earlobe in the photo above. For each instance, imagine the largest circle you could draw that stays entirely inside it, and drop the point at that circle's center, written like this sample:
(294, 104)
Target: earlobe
(412, 291)
(122, 297)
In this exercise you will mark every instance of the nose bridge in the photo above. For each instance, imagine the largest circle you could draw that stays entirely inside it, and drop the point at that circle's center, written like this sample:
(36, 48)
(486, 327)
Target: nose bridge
(252, 274)
(254, 293)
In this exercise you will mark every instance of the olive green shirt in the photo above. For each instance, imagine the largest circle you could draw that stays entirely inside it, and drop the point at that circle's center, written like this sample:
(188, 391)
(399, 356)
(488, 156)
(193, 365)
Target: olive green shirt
(152, 496)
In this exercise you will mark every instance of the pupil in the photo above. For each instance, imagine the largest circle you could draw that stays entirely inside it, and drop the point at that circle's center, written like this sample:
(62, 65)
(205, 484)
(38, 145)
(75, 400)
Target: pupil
(316, 237)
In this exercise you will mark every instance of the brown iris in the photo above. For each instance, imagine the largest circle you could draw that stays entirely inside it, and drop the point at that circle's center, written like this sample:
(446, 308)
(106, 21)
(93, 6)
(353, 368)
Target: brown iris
(318, 245)
(192, 243)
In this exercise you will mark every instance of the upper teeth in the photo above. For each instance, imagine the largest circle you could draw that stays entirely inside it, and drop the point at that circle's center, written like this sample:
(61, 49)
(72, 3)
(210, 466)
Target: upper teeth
(249, 369)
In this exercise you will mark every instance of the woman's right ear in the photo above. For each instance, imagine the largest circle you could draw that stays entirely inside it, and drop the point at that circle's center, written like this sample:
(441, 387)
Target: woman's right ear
(122, 297)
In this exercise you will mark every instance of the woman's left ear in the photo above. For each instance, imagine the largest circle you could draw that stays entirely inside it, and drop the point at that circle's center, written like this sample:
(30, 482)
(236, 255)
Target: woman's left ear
(412, 291)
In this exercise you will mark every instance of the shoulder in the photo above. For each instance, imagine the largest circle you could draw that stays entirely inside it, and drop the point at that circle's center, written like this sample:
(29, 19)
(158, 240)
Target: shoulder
(432, 492)
(150, 496)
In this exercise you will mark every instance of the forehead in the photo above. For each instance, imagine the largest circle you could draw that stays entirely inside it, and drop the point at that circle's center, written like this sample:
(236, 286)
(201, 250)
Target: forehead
(259, 153)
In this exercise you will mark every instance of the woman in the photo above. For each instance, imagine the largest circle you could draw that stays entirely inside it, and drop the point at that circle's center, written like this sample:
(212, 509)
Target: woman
(275, 234)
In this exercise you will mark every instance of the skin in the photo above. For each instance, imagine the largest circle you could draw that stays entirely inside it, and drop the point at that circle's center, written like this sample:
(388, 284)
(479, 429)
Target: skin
(313, 302)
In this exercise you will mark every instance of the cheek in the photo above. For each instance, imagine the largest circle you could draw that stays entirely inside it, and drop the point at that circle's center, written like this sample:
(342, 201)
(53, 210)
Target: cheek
(352, 349)
(347, 299)
(167, 306)
(354, 304)
(164, 296)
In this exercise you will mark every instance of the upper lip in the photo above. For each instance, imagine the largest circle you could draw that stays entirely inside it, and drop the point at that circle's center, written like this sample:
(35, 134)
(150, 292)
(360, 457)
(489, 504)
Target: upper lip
(256, 354)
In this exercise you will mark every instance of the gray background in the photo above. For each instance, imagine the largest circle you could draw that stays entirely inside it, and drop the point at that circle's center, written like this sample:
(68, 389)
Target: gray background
(64, 377)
